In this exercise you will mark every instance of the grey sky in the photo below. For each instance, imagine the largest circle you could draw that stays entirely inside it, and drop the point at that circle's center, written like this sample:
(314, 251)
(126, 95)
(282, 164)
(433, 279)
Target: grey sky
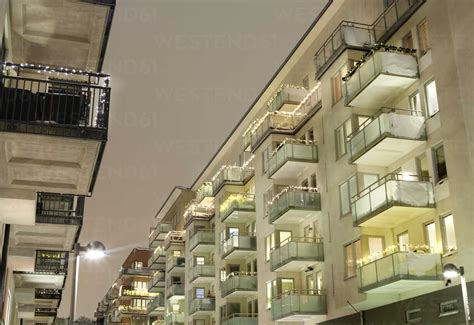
(183, 73)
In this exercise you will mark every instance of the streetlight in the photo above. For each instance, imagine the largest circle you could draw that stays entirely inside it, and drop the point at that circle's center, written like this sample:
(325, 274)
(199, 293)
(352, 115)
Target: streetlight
(93, 250)
(451, 271)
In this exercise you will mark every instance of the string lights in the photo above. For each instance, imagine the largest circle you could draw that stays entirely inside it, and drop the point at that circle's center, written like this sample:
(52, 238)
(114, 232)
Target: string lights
(58, 70)
(290, 141)
(245, 167)
(293, 189)
(280, 89)
(393, 249)
(236, 199)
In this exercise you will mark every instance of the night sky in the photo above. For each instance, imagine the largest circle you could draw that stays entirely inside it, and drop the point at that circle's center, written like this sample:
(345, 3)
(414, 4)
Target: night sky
(183, 73)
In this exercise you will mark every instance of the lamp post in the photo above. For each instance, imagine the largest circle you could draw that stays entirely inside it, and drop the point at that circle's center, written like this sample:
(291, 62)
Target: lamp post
(93, 250)
(451, 271)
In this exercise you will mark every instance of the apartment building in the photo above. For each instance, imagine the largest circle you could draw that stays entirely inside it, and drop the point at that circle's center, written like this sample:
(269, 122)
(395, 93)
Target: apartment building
(54, 108)
(345, 188)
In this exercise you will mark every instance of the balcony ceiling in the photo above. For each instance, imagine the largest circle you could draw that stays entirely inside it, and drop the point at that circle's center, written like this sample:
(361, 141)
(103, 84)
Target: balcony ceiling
(57, 32)
(292, 169)
(402, 286)
(37, 280)
(47, 164)
(44, 236)
(395, 216)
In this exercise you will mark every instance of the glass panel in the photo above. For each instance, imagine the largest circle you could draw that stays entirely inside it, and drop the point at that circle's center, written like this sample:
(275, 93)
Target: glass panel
(449, 235)
(431, 98)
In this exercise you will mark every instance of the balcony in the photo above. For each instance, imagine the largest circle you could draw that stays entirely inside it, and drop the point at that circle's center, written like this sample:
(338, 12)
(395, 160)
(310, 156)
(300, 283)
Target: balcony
(237, 207)
(239, 284)
(241, 319)
(393, 18)
(174, 238)
(176, 291)
(198, 212)
(156, 261)
(299, 305)
(392, 200)
(176, 264)
(231, 175)
(158, 234)
(130, 310)
(45, 312)
(157, 282)
(400, 272)
(175, 319)
(204, 194)
(389, 136)
(286, 98)
(282, 122)
(50, 294)
(59, 209)
(55, 262)
(239, 246)
(202, 306)
(202, 241)
(293, 205)
(157, 305)
(73, 114)
(145, 272)
(132, 292)
(380, 77)
(297, 254)
(200, 274)
(291, 158)
(348, 35)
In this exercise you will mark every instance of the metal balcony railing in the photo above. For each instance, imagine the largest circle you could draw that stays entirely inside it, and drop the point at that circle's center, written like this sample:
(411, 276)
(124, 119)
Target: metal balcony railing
(62, 209)
(239, 281)
(123, 309)
(392, 190)
(202, 237)
(51, 261)
(234, 175)
(205, 190)
(241, 319)
(292, 150)
(238, 242)
(303, 302)
(399, 266)
(46, 104)
(294, 198)
(41, 293)
(244, 202)
(198, 271)
(131, 291)
(387, 122)
(45, 312)
(297, 249)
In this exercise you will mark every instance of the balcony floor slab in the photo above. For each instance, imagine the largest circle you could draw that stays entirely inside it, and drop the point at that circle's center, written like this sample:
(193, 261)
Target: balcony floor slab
(293, 216)
(292, 169)
(239, 216)
(240, 294)
(394, 216)
(239, 254)
(402, 286)
(302, 317)
(203, 248)
(295, 266)
(203, 280)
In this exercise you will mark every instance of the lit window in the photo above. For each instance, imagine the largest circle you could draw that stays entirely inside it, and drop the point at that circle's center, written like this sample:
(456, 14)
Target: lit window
(415, 102)
(346, 191)
(423, 37)
(448, 234)
(199, 260)
(403, 242)
(440, 163)
(431, 98)
(269, 245)
(352, 253)
(342, 133)
(199, 293)
(422, 165)
(430, 236)
(407, 41)
(337, 84)
(269, 294)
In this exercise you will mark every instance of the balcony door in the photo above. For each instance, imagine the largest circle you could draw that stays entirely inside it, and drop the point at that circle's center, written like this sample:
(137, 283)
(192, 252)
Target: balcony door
(403, 241)
(376, 246)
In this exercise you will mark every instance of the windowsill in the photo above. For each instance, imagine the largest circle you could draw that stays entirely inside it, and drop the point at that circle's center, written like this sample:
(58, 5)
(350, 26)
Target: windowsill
(441, 181)
(350, 277)
(448, 254)
(433, 115)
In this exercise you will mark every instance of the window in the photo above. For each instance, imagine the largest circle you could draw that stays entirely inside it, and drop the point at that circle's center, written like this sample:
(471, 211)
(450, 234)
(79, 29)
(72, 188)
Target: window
(403, 241)
(199, 293)
(413, 316)
(319, 280)
(310, 135)
(310, 285)
(269, 245)
(352, 252)
(346, 191)
(376, 246)
(199, 260)
(423, 37)
(232, 231)
(305, 183)
(430, 236)
(269, 287)
(422, 165)
(407, 41)
(176, 253)
(342, 133)
(431, 98)
(287, 285)
(337, 84)
(285, 237)
(448, 234)
(312, 181)
(439, 157)
(223, 275)
(415, 102)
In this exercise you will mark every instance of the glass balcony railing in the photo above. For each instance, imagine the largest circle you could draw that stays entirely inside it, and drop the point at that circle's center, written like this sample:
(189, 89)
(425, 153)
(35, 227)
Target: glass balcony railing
(297, 249)
(157, 304)
(282, 122)
(174, 319)
(236, 202)
(138, 271)
(158, 257)
(239, 281)
(392, 190)
(292, 150)
(387, 123)
(202, 304)
(202, 271)
(54, 106)
(399, 266)
(204, 191)
(61, 209)
(234, 175)
(175, 262)
(176, 289)
(393, 17)
(294, 198)
(241, 319)
(202, 237)
(174, 238)
(398, 65)
(158, 280)
(286, 94)
(348, 35)
(195, 211)
(238, 243)
(159, 233)
(51, 261)
(299, 302)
